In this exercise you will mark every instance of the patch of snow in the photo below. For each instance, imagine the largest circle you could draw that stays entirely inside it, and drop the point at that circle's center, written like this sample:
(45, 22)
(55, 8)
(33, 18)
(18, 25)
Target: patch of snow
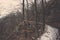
(50, 33)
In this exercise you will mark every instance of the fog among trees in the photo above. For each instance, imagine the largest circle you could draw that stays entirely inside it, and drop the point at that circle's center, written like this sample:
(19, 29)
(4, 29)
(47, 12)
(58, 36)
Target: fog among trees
(14, 27)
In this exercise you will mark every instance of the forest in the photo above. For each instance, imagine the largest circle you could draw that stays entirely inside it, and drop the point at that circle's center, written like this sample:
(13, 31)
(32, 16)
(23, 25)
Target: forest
(30, 23)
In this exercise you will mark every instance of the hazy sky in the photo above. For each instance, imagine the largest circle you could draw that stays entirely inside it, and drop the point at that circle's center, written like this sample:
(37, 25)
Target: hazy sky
(7, 6)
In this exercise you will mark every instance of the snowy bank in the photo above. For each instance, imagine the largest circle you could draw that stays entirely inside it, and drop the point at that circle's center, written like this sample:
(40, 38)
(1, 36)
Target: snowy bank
(50, 33)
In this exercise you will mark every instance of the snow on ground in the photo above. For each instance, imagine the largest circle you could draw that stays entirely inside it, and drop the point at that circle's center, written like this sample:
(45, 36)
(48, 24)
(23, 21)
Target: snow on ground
(50, 33)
